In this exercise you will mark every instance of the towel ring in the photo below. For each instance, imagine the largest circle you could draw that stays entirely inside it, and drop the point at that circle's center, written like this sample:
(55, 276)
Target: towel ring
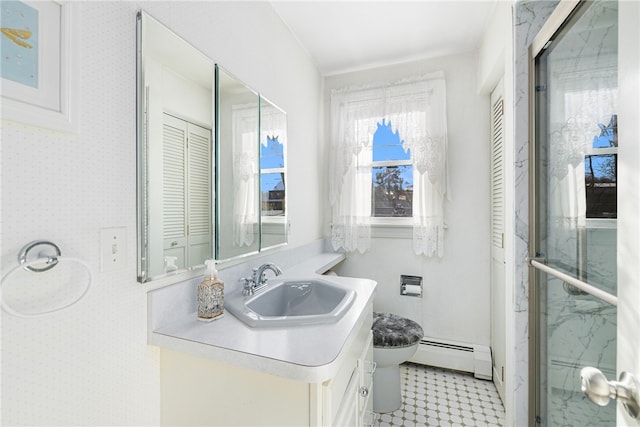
(23, 255)
(36, 265)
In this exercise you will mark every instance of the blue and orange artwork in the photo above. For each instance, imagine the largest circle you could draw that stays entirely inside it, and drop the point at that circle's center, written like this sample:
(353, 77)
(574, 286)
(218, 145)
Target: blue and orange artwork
(19, 27)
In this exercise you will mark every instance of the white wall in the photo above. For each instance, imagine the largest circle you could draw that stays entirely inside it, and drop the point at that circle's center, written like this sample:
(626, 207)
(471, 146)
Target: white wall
(495, 58)
(91, 365)
(456, 301)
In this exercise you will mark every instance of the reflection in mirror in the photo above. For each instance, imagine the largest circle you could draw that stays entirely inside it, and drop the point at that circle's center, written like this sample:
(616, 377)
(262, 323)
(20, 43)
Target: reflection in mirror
(175, 152)
(237, 177)
(273, 143)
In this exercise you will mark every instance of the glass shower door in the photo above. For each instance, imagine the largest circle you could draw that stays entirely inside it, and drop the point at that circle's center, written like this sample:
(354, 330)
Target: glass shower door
(574, 214)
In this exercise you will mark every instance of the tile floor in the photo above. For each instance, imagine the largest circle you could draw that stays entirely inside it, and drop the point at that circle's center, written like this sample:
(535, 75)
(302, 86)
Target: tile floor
(438, 397)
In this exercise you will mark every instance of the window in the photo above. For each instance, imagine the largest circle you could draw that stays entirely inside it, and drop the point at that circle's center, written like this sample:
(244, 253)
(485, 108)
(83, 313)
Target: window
(272, 177)
(388, 160)
(601, 171)
(391, 175)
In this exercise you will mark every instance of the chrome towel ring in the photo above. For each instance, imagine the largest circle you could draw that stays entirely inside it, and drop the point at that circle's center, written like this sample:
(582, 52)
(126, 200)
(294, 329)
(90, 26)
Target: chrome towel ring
(48, 257)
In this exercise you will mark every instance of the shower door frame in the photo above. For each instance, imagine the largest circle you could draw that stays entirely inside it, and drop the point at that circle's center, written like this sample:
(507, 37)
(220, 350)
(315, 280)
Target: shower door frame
(565, 10)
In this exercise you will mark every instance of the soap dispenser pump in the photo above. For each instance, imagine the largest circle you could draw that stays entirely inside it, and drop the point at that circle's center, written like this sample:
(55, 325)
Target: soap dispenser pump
(210, 294)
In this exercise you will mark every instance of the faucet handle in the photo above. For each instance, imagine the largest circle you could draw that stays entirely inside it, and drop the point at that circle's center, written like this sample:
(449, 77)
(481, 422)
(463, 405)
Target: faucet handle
(247, 286)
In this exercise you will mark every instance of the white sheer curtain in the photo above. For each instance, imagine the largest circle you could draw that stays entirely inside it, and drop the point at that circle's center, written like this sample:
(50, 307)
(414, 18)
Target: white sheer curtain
(354, 115)
(572, 134)
(246, 168)
(273, 124)
(417, 110)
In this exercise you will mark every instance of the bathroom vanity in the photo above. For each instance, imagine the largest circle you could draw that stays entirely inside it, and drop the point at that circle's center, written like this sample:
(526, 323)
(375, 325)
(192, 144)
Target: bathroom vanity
(228, 373)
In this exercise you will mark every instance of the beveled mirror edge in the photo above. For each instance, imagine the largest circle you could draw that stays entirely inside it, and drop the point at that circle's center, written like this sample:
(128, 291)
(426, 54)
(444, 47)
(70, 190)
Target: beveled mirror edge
(140, 160)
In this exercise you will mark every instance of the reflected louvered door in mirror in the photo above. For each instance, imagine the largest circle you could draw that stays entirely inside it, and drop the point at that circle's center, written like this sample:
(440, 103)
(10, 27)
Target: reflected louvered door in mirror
(186, 194)
(199, 227)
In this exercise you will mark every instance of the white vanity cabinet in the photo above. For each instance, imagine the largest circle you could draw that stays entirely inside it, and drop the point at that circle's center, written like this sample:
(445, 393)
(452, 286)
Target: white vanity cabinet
(202, 391)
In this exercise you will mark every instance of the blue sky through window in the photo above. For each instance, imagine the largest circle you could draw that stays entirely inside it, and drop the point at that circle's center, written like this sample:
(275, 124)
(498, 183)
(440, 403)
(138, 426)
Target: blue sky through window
(603, 166)
(271, 157)
(606, 139)
(271, 181)
(387, 145)
(392, 192)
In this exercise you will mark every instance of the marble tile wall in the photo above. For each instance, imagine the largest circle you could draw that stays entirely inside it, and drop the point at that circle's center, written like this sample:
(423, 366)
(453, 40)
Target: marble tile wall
(530, 16)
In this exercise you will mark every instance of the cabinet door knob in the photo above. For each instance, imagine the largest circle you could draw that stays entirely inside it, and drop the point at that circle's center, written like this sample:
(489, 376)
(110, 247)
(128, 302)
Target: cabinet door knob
(364, 391)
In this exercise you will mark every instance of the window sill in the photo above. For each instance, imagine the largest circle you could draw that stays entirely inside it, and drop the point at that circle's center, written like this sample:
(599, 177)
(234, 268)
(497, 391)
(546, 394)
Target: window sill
(593, 223)
(394, 228)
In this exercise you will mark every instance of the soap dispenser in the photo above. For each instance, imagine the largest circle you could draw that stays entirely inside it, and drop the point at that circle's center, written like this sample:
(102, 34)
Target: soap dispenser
(210, 294)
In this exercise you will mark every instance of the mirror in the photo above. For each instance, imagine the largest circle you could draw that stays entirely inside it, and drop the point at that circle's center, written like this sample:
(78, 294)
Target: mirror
(175, 153)
(250, 181)
(273, 145)
(185, 175)
(238, 170)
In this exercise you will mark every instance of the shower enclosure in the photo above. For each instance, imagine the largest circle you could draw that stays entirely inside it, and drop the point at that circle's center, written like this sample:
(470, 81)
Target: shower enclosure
(574, 169)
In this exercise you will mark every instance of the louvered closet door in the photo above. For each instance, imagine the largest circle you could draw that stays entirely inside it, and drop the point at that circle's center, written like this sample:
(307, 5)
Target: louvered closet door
(199, 194)
(174, 188)
(498, 308)
(497, 171)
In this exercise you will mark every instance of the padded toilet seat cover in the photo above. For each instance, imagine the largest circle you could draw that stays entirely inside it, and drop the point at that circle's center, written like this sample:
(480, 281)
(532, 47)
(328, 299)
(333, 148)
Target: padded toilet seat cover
(391, 330)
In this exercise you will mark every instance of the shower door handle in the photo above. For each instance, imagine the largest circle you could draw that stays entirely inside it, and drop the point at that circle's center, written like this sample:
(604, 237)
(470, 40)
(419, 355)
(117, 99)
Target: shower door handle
(599, 390)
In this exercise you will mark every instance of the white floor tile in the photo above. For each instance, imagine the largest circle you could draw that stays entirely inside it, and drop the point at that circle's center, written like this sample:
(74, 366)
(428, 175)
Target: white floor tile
(436, 397)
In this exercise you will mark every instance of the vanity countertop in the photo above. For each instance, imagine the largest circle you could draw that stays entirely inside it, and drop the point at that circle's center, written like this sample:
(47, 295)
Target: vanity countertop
(309, 353)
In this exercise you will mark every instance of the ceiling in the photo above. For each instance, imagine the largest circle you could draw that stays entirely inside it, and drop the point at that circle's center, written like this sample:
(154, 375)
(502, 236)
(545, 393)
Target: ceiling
(342, 36)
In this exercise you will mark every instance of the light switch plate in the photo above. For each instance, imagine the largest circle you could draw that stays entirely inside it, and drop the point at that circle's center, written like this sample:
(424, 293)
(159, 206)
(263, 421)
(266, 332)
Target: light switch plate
(113, 248)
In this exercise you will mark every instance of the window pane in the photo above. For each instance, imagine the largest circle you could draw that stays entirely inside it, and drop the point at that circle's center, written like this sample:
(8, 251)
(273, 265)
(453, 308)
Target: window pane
(272, 185)
(271, 156)
(387, 144)
(392, 191)
(608, 134)
(600, 177)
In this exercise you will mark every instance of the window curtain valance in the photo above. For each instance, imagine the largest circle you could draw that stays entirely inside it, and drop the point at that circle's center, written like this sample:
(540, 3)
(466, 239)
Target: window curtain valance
(273, 124)
(416, 109)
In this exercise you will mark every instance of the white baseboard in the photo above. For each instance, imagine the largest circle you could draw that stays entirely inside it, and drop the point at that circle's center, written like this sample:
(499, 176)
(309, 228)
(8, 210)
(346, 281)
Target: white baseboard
(464, 357)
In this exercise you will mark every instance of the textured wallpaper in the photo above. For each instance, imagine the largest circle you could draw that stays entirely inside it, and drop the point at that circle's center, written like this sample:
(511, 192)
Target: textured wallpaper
(90, 365)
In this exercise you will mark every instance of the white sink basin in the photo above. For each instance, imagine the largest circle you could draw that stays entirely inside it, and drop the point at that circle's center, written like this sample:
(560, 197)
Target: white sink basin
(283, 303)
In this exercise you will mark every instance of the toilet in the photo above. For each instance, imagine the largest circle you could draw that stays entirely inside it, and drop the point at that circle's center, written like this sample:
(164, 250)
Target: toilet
(395, 340)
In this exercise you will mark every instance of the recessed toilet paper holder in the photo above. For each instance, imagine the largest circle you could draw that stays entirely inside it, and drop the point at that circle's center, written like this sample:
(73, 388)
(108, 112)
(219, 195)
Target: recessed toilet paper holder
(411, 285)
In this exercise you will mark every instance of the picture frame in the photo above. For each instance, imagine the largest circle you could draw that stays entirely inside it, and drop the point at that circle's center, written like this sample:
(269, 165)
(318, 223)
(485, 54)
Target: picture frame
(39, 64)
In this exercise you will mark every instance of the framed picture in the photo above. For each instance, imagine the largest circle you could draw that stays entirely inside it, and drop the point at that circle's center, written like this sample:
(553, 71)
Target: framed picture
(38, 64)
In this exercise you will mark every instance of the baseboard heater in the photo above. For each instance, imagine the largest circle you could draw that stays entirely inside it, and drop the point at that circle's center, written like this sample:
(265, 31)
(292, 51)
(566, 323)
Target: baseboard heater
(454, 355)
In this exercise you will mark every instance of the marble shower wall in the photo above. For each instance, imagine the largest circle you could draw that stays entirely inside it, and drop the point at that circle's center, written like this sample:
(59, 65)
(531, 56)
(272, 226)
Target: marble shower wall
(530, 16)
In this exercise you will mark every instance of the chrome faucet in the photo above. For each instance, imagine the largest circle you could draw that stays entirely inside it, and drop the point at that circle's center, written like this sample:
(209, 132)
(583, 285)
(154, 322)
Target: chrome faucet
(258, 281)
